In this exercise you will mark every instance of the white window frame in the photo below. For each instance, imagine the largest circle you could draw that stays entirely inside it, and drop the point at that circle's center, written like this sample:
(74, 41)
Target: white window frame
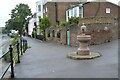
(39, 8)
(46, 9)
(107, 10)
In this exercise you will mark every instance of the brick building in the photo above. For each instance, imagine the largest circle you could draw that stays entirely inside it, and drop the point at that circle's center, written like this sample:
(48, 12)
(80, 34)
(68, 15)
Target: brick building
(53, 9)
(56, 11)
(100, 9)
(96, 16)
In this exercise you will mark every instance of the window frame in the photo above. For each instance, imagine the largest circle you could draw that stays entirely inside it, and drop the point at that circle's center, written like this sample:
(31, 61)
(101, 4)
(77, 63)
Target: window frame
(39, 7)
(107, 10)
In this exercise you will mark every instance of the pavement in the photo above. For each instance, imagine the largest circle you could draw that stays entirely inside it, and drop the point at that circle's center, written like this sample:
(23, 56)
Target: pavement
(49, 60)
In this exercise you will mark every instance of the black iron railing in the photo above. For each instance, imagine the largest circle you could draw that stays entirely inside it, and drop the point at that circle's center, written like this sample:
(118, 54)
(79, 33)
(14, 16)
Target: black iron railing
(20, 48)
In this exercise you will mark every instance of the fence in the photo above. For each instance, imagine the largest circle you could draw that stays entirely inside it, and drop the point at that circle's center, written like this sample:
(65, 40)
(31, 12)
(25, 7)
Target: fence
(20, 47)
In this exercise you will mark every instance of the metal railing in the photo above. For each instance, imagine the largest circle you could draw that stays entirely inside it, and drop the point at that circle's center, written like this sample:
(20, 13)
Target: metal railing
(20, 48)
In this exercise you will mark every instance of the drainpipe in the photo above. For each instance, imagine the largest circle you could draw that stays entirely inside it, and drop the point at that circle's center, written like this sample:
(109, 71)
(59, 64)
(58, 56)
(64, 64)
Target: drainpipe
(97, 9)
(56, 12)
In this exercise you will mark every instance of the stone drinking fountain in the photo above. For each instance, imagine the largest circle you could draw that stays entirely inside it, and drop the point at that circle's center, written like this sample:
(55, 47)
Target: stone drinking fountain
(83, 51)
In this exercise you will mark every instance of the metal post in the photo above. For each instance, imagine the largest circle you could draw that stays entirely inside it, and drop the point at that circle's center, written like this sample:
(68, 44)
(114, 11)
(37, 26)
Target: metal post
(21, 46)
(18, 52)
(11, 58)
(26, 45)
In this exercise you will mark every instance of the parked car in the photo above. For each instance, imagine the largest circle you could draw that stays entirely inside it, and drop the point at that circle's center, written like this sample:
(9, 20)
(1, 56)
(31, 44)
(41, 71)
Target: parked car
(12, 35)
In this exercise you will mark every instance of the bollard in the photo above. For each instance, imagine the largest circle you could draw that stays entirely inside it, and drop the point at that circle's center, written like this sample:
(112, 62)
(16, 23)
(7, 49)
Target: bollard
(21, 46)
(25, 45)
(11, 58)
(18, 51)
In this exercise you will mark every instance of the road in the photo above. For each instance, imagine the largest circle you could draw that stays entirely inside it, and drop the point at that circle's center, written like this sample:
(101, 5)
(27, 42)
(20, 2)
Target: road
(49, 60)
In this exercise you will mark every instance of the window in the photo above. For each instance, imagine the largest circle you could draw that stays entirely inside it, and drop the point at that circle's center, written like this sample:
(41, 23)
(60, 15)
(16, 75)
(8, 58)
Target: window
(75, 12)
(46, 9)
(71, 12)
(107, 10)
(68, 13)
(80, 11)
(39, 7)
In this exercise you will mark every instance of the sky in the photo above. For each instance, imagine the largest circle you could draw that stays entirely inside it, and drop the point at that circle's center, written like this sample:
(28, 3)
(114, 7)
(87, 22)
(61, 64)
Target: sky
(7, 5)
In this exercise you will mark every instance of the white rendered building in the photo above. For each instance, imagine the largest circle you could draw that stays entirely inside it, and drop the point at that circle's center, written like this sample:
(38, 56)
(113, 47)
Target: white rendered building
(39, 13)
(31, 26)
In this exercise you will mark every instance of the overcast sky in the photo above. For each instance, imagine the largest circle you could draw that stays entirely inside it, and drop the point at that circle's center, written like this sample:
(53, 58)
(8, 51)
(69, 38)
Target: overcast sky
(7, 5)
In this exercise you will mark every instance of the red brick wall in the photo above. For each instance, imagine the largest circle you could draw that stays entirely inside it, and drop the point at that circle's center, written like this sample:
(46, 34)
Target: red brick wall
(61, 8)
(96, 30)
(90, 9)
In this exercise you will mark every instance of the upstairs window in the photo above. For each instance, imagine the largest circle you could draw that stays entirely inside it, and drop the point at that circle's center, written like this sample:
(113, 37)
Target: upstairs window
(46, 9)
(39, 7)
(75, 11)
(107, 10)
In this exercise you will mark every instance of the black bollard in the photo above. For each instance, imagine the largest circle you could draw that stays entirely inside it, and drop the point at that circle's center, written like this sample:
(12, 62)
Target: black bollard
(11, 58)
(18, 51)
(21, 46)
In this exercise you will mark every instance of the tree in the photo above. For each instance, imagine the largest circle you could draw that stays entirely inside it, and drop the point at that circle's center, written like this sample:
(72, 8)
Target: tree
(19, 17)
(44, 23)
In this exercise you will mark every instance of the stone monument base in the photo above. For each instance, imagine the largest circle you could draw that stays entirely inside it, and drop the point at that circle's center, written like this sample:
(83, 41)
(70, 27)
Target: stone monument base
(75, 56)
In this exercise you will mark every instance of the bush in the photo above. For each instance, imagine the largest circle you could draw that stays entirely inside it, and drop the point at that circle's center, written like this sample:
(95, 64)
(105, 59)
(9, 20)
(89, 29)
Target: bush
(63, 23)
(58, 34)
(48, 34)
(73, 21)
(13, 42)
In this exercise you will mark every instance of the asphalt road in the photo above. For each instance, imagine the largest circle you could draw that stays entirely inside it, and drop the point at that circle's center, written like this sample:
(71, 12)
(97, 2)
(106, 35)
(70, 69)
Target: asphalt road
(49, 60)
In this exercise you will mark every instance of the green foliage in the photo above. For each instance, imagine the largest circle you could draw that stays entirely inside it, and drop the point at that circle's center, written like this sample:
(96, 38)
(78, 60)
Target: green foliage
(7, 57)
(73, 21)
(58, 34)
(14, 41)
(44, 23)
(28, 46)
(48, 34)
(4, 31)
(63, 23)
(19, 17)
(34, 32)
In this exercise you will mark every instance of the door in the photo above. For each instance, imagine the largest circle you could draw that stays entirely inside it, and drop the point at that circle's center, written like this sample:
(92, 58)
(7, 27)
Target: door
(68, 37)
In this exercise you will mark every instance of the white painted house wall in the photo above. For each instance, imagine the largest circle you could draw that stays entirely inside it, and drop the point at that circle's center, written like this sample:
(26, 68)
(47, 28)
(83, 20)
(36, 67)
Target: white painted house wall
(31, 26)
(39, 13)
